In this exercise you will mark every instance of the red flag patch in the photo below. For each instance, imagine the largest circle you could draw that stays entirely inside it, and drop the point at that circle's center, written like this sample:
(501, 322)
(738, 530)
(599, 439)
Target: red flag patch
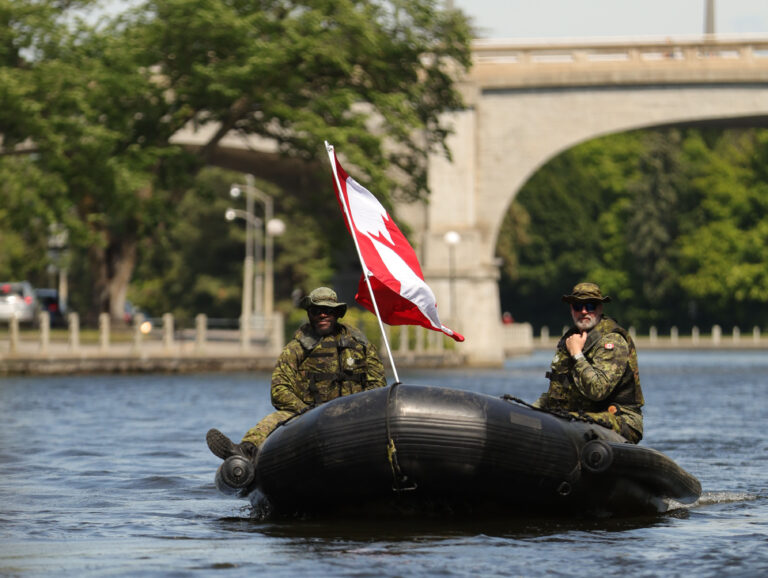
(609, 346)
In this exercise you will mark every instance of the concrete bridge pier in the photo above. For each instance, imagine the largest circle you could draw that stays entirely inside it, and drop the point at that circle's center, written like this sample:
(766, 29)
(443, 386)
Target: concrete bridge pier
(470, 276)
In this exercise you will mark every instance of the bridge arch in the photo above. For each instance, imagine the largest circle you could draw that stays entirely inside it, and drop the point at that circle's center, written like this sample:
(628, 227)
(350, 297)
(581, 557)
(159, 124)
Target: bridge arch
(528, 104)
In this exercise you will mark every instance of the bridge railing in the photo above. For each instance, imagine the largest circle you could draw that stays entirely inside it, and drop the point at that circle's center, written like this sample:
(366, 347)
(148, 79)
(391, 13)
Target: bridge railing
(629, 50)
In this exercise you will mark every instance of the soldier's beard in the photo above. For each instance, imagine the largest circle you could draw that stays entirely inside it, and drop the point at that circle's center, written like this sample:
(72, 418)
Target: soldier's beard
(586, 323)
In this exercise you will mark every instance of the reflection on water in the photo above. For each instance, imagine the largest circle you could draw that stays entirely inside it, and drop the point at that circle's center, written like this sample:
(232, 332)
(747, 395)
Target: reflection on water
(109, 475)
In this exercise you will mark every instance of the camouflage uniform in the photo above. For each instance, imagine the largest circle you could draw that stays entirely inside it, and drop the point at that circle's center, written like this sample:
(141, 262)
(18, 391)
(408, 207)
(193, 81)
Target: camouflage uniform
(604, 384)
(312, 370)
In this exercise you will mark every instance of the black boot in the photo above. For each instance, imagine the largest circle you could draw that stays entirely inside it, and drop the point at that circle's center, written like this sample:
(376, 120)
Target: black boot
(223, 447)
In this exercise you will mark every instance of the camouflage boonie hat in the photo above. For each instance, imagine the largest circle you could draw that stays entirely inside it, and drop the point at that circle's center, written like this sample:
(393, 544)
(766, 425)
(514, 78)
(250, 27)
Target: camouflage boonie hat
(586, 292)
(323, 297)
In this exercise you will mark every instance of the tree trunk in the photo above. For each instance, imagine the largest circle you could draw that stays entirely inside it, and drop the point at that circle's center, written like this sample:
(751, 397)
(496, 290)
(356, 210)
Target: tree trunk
(113, 266)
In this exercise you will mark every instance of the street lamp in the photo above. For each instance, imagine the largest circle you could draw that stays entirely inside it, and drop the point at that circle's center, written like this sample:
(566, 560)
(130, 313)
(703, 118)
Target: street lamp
(268, 228)
(250, 297)
(452, 238)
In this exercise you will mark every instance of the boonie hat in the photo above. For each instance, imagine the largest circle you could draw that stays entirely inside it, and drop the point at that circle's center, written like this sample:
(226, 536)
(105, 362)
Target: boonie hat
(323, 297)
(586, 292)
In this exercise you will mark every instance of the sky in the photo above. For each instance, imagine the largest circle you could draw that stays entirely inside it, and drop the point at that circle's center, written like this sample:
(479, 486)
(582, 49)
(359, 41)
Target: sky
(596, 18)
(611, 18)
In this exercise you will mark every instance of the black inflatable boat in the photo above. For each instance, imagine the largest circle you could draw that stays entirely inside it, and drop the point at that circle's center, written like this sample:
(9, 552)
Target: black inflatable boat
(409, 448)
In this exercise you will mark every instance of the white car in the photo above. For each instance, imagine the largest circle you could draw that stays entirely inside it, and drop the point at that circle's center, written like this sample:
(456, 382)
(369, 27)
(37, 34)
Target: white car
(17, 300)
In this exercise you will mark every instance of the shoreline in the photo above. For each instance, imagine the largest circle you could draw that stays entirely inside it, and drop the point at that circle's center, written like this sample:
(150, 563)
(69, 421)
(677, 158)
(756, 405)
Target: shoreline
(91, 361)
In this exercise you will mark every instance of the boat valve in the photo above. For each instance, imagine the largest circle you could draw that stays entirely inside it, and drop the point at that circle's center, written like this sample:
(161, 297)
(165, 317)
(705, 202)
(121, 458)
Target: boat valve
(596, 456)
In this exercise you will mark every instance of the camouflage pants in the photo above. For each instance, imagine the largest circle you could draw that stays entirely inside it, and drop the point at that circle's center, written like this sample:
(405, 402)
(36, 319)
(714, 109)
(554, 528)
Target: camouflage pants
(624, 424)
(258, 433)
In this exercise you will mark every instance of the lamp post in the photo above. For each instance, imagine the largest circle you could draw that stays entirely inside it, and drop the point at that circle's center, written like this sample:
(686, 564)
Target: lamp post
(273, 227)
(249, 217)
(252, 222)
(452, 238)
(268, 228)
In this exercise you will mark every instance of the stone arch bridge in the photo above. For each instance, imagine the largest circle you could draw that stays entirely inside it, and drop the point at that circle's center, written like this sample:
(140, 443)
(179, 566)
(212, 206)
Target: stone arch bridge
(528, 102)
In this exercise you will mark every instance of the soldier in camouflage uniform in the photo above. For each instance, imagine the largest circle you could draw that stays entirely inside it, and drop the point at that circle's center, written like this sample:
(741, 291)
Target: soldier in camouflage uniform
(594, 372)
(325, 359)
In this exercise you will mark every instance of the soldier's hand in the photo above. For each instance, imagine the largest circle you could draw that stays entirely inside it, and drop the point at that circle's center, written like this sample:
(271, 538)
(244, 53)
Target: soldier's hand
(575, 343)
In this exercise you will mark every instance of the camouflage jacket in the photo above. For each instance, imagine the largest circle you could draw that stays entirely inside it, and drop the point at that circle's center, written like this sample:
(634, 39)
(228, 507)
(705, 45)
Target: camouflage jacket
(312, 369)
(606, 375)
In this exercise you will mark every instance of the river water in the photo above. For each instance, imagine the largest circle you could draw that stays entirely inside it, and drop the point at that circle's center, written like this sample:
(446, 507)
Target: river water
(110, 476)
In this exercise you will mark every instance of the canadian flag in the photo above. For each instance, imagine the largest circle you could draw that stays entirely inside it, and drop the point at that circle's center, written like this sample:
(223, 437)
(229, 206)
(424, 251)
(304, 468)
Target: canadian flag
(395, 276)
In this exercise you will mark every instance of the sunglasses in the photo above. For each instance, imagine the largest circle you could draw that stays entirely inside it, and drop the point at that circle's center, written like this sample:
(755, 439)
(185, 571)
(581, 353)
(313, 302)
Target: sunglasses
(590, 306)
(320, 310)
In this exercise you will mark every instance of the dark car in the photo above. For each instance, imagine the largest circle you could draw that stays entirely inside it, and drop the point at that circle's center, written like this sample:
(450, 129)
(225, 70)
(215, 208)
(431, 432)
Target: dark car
(49, 301)
(17, 300)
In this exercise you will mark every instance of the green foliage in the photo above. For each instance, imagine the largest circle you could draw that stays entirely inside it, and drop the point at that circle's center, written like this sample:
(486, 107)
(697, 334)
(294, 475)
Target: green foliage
(724, 259)
(562, 238)
(98, 106)
(671, 223)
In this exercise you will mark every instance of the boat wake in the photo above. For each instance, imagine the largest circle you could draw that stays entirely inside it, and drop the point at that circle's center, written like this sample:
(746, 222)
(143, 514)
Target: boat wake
(714, 498)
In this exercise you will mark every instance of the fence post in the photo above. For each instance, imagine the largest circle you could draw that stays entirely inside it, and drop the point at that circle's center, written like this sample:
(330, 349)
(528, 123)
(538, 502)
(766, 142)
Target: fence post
(695, 335)
(201, 328)
(13, 329)
(167, 331)
(439, 342)
(544, 336)
(138, 319)
(403, 345)
(276, 334)
(419, 339)
(674, 335)
(45, 331)
(245, 333)
(104, 331)
(717, 333)
(73, 321)
(736, 334)
(653, 334)
(756, 334)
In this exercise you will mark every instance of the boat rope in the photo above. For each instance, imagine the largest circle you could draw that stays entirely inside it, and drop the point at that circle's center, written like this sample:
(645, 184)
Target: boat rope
(577, 416)
(401, 483)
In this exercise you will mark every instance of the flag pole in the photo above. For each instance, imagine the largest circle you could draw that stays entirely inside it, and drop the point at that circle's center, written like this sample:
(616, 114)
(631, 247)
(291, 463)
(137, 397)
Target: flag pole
(332, 157)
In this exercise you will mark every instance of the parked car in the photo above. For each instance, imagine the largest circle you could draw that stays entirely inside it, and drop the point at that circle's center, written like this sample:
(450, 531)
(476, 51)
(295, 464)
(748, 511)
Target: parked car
(17, 300)
(49, 301)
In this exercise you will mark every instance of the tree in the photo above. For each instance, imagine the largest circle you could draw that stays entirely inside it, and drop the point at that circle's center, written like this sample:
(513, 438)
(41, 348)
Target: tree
(651, 229)
(372, 77)
(673, 223)
(724, 243)
(560, 230)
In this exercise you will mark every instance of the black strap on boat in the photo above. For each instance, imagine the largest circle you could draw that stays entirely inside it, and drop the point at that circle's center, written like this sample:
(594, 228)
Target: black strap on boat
(508, 397)
(581, 416)
(401, 483)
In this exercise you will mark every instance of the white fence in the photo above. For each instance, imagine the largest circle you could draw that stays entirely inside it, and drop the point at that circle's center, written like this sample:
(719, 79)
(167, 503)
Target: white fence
(145, 339)
(716, 338)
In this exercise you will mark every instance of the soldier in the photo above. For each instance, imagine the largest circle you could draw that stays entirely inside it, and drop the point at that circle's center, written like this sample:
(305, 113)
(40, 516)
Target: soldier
(325, 359)
(594, 372)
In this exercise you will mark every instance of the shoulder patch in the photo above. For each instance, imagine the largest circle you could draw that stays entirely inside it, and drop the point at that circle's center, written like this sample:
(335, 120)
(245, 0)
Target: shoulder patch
(609, 345)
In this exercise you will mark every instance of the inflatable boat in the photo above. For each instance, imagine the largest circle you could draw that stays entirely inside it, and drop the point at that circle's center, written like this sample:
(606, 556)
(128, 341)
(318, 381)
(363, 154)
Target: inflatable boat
(423, 449)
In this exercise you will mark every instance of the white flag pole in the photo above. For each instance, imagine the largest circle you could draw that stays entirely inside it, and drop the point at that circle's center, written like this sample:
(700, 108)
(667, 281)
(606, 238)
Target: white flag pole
(366, 272)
